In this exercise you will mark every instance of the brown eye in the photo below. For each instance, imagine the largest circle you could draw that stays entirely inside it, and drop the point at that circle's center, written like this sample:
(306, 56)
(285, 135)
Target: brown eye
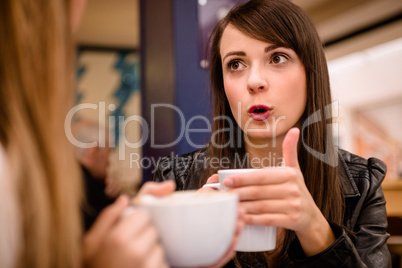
(278, 59)
(235, 65)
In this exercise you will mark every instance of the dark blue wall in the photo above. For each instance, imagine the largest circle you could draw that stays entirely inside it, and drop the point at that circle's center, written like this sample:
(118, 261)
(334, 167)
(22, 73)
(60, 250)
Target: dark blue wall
(192, 96)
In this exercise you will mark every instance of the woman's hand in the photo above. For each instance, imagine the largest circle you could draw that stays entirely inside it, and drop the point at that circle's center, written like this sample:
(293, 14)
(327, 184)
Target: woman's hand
(279, 197)
(125, 241)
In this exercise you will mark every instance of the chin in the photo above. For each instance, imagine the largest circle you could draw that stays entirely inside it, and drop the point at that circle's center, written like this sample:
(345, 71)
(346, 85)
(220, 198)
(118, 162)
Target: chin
(266, 135)
(261, 130)
(260, 138)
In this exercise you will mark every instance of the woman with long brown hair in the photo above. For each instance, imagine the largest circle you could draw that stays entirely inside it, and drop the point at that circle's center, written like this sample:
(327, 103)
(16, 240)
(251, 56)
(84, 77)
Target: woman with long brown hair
(270, 85)
(40, 185)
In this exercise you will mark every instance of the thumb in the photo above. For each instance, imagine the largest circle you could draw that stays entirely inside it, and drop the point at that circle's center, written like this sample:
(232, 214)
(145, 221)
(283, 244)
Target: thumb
(289, 148)
(159, 189)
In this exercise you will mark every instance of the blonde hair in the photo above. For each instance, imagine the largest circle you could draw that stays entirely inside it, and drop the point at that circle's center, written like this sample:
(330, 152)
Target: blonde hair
(36, 91)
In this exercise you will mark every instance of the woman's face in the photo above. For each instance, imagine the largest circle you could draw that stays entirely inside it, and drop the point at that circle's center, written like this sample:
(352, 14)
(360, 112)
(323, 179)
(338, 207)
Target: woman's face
(264, 84)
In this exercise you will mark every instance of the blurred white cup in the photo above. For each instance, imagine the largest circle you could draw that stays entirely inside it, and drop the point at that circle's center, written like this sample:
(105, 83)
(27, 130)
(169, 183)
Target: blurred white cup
(196, 229)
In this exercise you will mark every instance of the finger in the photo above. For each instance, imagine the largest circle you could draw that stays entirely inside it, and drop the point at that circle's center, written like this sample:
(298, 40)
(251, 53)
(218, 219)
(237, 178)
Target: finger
(263, 207)
(158, 188)
(280, 220)
(108, 218)
(258, 192)
(213, 179)
(289, 148)
(260, 177)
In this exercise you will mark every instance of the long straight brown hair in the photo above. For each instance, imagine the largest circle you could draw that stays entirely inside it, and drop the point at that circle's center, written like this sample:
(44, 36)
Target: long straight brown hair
(284, 24)
(36, 91)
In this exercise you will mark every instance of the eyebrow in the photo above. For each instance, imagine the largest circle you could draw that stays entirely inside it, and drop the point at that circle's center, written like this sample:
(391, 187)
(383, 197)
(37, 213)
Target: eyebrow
(234, 53)
(270, 48)
(241, 53)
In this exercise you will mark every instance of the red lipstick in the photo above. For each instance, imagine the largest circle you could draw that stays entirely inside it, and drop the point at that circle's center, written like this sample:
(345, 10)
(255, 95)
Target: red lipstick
(259, 112)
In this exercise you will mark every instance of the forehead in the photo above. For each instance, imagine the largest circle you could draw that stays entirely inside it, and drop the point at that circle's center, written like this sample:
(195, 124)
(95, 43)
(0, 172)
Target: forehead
(233, 39)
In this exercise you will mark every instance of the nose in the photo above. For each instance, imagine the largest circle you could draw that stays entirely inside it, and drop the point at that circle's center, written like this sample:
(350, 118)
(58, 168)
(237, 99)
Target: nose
(256, 81)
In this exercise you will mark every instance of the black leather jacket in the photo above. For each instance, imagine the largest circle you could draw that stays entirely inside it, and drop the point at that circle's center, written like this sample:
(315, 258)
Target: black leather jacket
(365, 213)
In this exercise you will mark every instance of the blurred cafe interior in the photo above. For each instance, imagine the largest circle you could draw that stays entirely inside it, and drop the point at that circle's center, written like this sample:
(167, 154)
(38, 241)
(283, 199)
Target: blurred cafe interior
(144, 57)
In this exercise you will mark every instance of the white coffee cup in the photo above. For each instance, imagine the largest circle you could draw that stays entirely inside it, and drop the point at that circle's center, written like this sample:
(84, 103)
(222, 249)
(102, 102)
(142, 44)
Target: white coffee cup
(254, 238)
(195, 229)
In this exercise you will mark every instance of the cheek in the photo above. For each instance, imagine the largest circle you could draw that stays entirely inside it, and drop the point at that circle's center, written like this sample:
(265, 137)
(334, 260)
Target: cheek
(232, 94)
(292, 98)
(296, 92)
(301, 92)
(298, 104)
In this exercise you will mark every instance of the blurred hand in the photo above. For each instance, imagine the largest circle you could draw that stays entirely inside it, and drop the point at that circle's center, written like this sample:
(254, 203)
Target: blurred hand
(125, 242)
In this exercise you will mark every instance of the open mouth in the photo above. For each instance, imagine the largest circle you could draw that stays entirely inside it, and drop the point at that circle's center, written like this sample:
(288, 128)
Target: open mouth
(259, 112)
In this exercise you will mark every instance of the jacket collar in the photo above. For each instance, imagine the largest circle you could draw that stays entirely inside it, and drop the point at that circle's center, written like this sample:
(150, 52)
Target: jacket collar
(348, 184)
